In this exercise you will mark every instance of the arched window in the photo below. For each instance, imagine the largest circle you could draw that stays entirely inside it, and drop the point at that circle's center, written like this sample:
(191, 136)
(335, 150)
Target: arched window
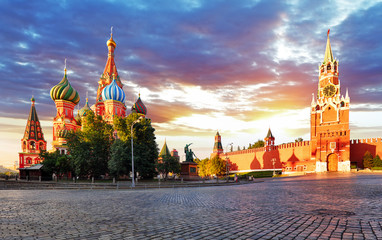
(32, 145)
(329, 67)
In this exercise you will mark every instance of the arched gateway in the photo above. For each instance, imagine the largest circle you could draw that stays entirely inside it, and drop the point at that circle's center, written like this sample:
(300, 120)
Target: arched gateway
(333, 162)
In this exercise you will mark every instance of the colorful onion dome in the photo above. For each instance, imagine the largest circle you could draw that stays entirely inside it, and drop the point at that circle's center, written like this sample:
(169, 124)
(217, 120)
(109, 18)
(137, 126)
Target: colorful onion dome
(85, 109)
(62, 133)
(113, 92)
(111, 41)
(64, 91)
(78, 117)
(139, 107)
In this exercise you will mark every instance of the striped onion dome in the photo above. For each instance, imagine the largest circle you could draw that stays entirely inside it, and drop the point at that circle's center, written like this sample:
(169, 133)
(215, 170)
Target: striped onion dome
(64, 91)
(85, 109)
(113, 92)
(78, 117)
(139, 107)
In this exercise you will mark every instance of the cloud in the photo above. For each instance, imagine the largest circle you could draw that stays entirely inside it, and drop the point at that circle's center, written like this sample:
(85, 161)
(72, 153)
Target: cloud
(244, 61)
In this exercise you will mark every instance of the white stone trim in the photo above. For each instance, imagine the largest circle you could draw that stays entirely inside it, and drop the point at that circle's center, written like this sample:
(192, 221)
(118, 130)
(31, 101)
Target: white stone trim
(321, 166)
(344, 166)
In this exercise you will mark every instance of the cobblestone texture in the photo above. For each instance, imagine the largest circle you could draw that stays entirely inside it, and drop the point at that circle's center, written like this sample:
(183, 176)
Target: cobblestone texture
(326, 206)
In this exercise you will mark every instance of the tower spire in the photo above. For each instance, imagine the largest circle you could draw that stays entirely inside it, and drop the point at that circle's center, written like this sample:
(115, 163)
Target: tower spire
(65, 67)
(328, 51)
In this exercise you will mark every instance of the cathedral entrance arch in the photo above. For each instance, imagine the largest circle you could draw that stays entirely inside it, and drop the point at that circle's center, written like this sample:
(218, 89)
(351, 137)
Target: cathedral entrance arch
(333, 162)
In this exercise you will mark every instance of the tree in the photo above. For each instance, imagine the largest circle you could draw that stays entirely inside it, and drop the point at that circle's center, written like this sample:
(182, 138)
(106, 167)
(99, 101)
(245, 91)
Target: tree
(120, 158)
(166, 164)
(258, 144)
(145, 147)
(238, 148)
(90, 148)
(367, 160)
(203, 167)
(217, 166)
(55, 162)
(299, 139)
(377, 162)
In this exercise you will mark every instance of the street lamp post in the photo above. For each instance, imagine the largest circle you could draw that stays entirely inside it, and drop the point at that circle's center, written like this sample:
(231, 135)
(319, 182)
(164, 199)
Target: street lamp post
(132, 150)
(226, 159)
(273, 162)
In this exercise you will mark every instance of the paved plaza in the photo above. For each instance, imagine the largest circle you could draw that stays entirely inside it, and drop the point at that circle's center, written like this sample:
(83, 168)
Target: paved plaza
(319, 206)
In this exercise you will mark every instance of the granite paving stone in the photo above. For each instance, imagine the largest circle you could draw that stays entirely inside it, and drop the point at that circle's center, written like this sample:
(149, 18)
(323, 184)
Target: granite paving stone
(316, 206)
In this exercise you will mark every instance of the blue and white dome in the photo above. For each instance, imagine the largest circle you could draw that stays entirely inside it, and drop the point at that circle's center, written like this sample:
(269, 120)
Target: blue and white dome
(113, 92)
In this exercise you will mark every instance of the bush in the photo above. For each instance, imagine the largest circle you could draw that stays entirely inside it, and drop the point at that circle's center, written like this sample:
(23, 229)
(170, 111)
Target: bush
(377, 162)
(261, 174)
(368, 160)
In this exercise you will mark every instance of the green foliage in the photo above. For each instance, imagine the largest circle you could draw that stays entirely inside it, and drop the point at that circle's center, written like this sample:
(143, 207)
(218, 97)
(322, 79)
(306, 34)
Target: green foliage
(214, 166)
(217, 166)
(145, 147)
(367, 160)
(203, 167)
(90, 148)
(168, 164)
(260, 174)
(299, 139)
(377, 162)
(258, 144)
(56, 163)
(120, 158)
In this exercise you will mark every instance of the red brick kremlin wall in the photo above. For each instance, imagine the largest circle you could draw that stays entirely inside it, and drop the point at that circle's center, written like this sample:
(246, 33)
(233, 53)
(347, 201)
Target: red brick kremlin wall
(292, 157)
(289, 157)
(358, 147)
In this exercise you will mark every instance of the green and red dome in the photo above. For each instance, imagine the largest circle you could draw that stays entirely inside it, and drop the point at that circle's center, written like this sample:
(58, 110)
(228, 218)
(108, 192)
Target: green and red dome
(139, 107)
(64, 91)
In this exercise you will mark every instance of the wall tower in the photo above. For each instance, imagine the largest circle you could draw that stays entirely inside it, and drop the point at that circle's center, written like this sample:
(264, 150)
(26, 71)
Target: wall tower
(269, 141)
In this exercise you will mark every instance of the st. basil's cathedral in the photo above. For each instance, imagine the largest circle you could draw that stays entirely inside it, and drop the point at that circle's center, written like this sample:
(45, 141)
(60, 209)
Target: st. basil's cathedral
(110, 102)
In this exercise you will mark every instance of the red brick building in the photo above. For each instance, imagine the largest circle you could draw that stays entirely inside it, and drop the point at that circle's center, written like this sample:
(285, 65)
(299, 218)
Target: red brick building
(33, 141)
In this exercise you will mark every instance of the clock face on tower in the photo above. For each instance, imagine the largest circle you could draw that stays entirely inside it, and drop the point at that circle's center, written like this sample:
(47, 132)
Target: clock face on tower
(329, 91)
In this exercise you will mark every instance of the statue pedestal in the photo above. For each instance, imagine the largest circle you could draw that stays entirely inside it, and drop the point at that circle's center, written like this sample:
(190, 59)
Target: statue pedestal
(189, 171)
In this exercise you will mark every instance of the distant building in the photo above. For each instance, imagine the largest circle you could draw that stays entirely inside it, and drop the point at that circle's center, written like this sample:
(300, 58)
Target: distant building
(166, 152)
(329, 148)
(174, 153)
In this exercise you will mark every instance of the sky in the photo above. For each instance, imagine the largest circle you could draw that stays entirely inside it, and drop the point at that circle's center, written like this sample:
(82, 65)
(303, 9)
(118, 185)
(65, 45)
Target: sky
(237, 67)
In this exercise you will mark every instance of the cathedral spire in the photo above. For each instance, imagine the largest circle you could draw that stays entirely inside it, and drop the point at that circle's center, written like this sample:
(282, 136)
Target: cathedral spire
(108, 74)
(328, 51)
(110, 68)
(33, 129)
(164, 151)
